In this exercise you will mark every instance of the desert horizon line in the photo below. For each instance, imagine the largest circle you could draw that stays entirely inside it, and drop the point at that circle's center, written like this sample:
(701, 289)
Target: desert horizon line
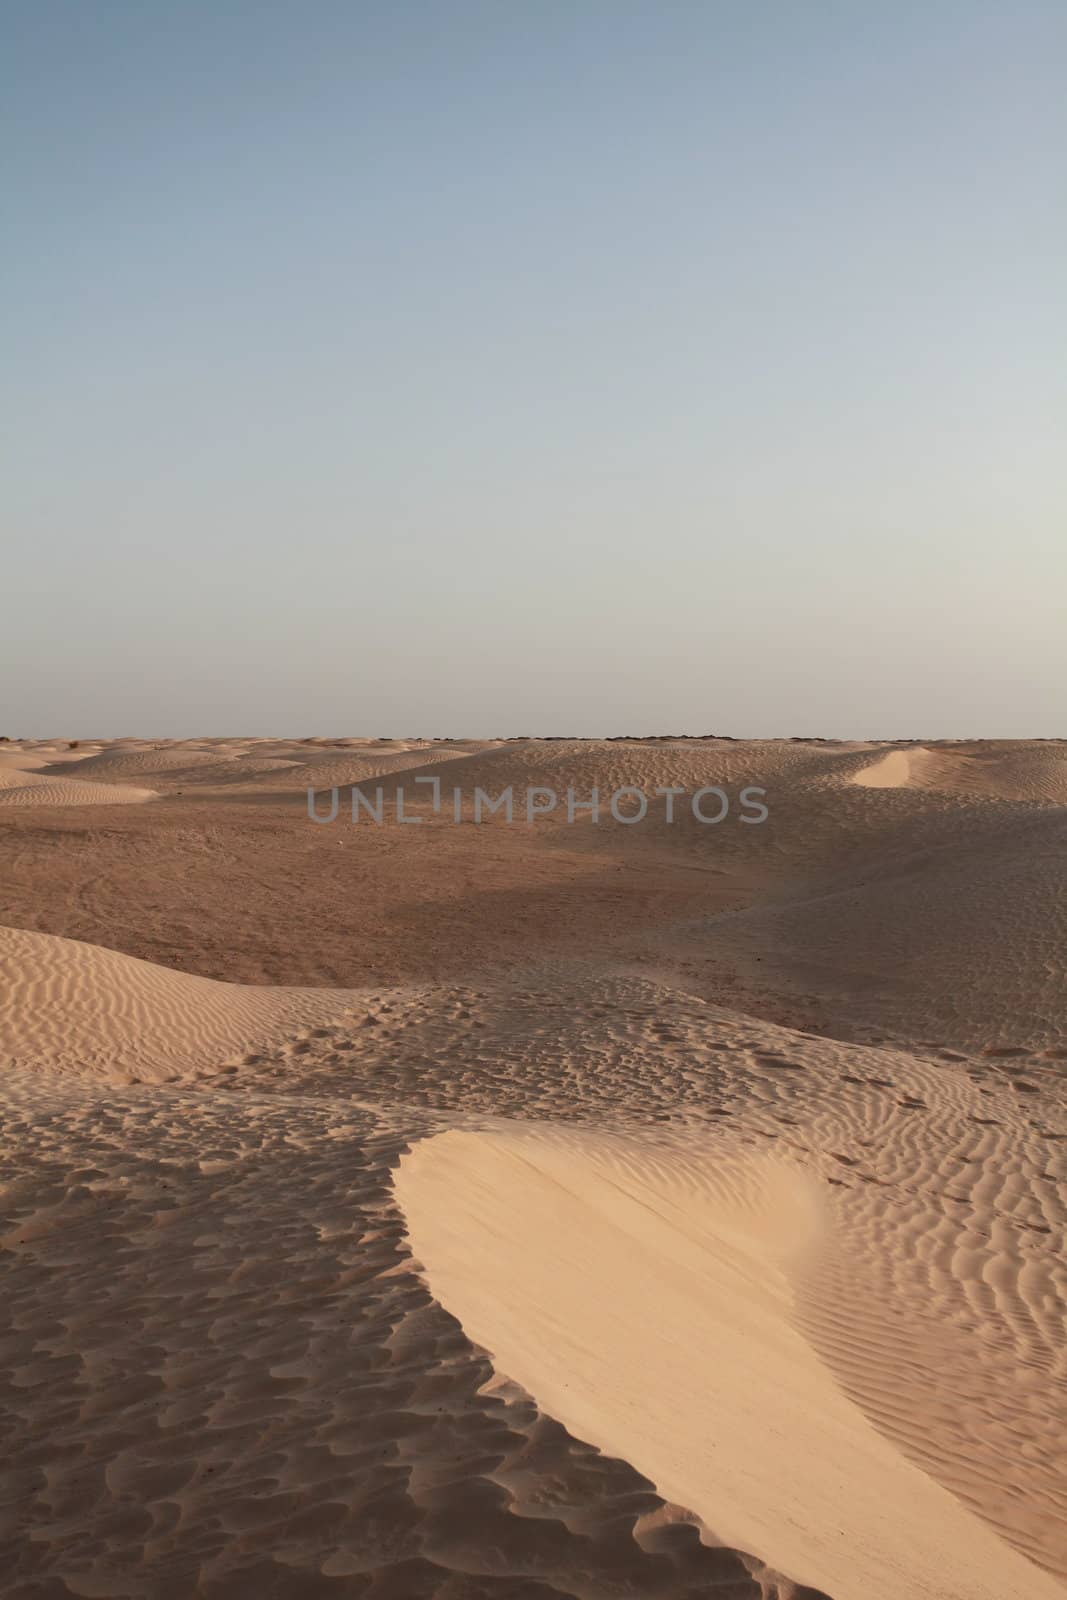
(540, 738)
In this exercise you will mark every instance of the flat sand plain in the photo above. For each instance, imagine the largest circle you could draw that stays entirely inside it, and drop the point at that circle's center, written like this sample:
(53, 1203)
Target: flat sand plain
(478, 1210)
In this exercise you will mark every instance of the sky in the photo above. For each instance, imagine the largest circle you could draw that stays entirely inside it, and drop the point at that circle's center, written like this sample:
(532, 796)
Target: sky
(591, 368)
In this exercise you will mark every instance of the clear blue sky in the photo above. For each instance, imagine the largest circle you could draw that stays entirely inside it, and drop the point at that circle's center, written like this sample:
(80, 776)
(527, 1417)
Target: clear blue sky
(583, 367)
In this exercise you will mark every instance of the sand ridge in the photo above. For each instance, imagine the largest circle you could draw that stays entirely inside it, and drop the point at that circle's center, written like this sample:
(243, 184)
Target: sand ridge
(634, 1286)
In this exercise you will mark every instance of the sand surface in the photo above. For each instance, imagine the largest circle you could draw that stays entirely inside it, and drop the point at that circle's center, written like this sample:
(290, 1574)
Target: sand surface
(591, 1210)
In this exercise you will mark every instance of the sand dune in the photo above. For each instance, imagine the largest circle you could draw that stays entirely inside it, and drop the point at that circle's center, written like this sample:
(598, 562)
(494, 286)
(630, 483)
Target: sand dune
(256, 764)
(331, 770)
(240, 768)
(633, 1285)
(120, 764)
(551, 1254)
(76, 1008)
(43, 761)
(34, 787)
(810, 776)
(1020, 772)
(956, 940)
(586, 764)
(893, 771)
(19, 772)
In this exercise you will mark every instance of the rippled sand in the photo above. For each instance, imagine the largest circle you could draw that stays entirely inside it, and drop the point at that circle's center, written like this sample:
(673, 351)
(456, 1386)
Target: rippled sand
(539, 1210)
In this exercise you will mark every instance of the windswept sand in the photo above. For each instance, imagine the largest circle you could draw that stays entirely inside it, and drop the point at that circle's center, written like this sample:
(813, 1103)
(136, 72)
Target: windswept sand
(635, 1286)
(1006, 772)
(842, 1223)
(33, 789)
(84, 1011)
(43, 778)
(534, 1211)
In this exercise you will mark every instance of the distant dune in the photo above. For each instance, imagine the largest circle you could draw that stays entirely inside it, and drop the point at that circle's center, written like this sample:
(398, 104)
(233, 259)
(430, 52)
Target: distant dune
(29, 781)
(1015, 772)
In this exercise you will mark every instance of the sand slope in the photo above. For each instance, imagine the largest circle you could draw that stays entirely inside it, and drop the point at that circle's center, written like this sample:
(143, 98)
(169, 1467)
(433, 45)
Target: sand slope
(80, 1009)
(25, 787)
(585, 764)
(120, 764)
(935, 1295)
(1016, 771)
(805, 1295)
(640, 1290)
(221, 1372)
(954, 938)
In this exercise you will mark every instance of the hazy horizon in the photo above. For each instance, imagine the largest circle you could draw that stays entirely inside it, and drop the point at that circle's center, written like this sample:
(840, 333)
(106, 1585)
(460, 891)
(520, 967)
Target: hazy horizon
(471, 371)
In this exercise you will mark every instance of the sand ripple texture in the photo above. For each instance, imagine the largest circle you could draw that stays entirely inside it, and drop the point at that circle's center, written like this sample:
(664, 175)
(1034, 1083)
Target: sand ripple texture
(570, 1284)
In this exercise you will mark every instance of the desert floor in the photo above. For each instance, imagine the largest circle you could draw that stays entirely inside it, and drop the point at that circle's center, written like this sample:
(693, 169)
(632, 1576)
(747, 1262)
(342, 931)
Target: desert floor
(481, 1210)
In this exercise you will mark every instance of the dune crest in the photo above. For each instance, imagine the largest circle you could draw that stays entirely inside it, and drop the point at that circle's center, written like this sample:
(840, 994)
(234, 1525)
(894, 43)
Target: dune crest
(636, 1288)
(892, 771)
